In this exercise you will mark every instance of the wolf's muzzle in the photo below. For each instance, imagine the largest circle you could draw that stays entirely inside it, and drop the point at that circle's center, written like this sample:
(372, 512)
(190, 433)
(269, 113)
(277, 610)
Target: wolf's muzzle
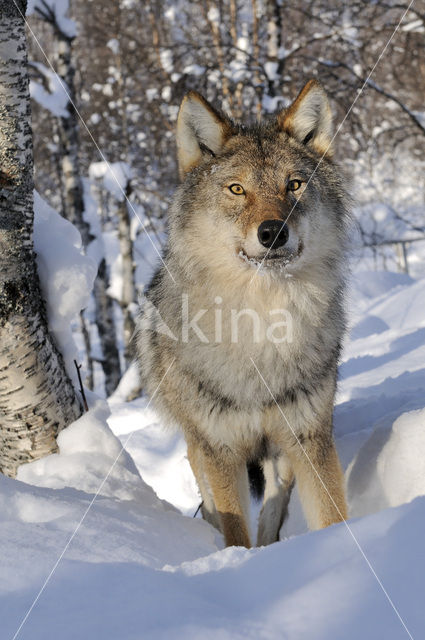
(273, 233)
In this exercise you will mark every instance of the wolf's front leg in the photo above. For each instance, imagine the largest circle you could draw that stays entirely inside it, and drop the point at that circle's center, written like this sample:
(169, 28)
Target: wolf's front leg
(196, 460)
(228, 480)
(279, 480)
(319, 478)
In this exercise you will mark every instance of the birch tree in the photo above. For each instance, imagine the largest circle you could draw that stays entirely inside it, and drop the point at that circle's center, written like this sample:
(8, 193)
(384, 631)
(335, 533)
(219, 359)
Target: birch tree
(37, 398)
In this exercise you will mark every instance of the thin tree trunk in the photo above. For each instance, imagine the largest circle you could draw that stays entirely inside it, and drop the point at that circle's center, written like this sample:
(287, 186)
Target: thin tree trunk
(89, 381)
(69, 143)
(128, 295)
(73, 201)
(106, 327)
(256, 57)
(37, 398)
(274, 40)
(214, 25)
(238, 106)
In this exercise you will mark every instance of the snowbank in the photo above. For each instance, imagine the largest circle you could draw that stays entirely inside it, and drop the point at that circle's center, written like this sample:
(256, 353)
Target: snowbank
(111, 585)
(159, 454)
(389, 469)
(91, 459)
(66, 275)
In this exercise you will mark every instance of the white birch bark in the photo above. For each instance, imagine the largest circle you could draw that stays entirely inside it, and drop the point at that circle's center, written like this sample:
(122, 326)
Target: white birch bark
(37, 398)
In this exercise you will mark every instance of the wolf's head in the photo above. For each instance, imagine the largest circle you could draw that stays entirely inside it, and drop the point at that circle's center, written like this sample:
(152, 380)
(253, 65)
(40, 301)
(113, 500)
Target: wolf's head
(267, 194)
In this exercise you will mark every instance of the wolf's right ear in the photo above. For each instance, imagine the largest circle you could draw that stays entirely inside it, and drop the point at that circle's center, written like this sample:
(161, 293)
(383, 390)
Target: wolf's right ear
(309, 118)
(200, 130)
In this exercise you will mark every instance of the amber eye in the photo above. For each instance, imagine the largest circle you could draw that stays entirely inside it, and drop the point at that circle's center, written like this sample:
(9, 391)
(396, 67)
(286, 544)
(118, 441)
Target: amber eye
(237, 189)
(294, 185)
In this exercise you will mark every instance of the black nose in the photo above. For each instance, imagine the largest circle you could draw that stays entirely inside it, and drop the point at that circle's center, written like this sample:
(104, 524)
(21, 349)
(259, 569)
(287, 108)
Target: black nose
(273, 233)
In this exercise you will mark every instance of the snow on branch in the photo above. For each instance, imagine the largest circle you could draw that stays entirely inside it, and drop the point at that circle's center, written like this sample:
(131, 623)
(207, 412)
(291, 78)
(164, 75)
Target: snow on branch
(55, 13)
(115, 177)
(51, 93)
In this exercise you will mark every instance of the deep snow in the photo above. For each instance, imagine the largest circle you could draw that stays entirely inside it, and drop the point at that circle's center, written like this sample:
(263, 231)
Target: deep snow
(102, 524)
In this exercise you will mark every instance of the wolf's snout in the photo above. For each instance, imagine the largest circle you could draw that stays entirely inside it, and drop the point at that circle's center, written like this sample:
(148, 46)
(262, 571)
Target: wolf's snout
(273, 233)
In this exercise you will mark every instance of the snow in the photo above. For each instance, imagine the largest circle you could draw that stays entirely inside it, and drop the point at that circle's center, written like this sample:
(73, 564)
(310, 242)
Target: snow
(166, 93)
(108, 521)
(271, 69)
(388, 467)
(114, 176)
(414, 25)
(161, 454)
(59, 9)
(213, 14)
(271, 105)
(113, 45)
(151, 94)
(55, 99)
(380, 223)
(194, 69)
(88, 449)
(66, 275)
(166, 58)
(112, 250)
(95, 118)
(96, 249)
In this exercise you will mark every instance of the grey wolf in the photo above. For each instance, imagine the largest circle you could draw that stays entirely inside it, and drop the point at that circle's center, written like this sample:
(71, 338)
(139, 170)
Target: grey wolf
(229, 216)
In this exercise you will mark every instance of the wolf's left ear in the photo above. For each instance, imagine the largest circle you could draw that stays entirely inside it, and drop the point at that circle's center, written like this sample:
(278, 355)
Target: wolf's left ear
(201, 130)
(309, 118)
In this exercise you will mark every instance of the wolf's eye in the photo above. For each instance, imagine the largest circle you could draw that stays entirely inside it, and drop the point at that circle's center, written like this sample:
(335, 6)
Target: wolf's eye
(237, 189)
(294, 185)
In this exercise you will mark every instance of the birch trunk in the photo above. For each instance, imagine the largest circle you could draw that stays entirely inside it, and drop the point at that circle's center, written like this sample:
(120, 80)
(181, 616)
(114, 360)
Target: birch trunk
(73, 201)
(128, 296)
(128, 293)
(68, 146)
(37, 398)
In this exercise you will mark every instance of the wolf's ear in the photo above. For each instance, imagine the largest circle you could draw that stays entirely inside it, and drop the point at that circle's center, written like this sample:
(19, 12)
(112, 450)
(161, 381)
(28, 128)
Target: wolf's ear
(309, 118)
(200, 130)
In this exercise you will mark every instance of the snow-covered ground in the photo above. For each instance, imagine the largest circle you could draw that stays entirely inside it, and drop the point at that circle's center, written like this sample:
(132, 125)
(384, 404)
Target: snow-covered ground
(99, 542)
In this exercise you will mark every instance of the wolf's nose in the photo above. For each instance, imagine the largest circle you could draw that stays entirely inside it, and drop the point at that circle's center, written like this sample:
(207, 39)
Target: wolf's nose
(273, 233)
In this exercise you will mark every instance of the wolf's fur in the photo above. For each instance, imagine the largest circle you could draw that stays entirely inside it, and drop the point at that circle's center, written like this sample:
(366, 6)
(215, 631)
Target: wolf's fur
(212, 390)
